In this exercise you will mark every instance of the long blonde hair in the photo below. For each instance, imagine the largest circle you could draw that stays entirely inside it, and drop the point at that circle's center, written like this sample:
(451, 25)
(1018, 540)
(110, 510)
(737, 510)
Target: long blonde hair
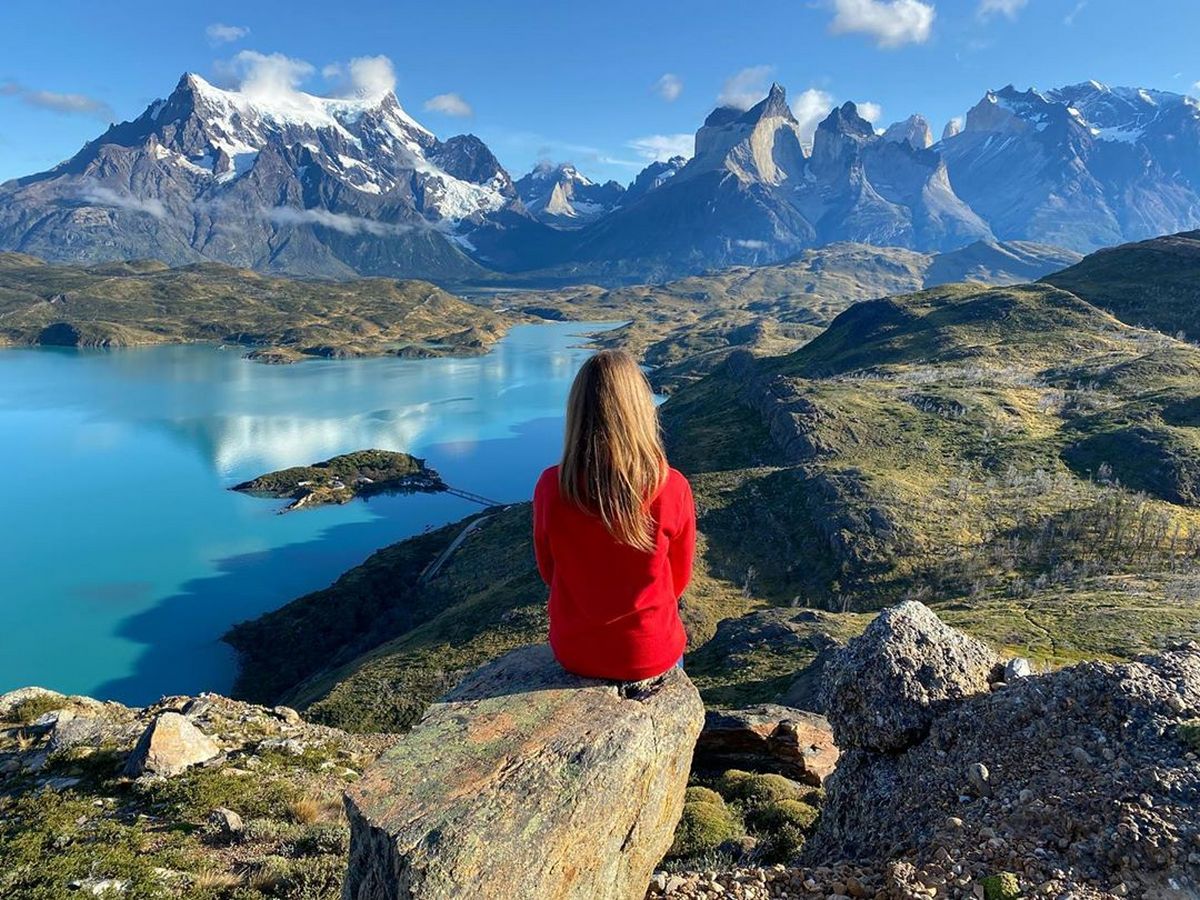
(613, 461)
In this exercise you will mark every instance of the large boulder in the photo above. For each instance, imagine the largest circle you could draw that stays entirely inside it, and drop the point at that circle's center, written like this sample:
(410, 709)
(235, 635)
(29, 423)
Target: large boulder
(170, 745)
(1080, 782)
(527, 782)
(768, 738)
(884, 689)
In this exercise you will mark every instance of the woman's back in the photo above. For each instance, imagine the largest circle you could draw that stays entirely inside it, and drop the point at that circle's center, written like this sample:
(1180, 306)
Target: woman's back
(614, 609)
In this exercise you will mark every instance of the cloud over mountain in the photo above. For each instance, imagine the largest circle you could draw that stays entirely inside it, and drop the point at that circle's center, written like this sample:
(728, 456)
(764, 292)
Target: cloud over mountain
(219, 33)
(449, 105)
(662, 147)
(892, 23)
(669, 87)
(745, 88)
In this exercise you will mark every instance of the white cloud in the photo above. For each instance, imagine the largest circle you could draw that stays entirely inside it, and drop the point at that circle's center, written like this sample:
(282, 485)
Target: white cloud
(68, 104)
(1069, 18)
(661, 147)
(669, 87)
(872, 112)
(225, 34)
(265, 76)
(290, 215)
(892, 23)
(745, 88)
(363, 76)
(751, 245)
(1008, 8)
(103, 196)
(809, 108)
(449, 105)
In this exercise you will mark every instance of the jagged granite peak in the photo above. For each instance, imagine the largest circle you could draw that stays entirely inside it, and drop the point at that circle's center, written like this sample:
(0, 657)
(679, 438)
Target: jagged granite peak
(774, 105)
(1083, 166)
(759, 145)
(845, 119)
(953, 128)
(562, 196)
(467, 157)
(653, 176)
(914, 130)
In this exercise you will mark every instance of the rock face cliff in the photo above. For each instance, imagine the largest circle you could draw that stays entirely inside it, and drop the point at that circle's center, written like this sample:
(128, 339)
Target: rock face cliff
(527, 782)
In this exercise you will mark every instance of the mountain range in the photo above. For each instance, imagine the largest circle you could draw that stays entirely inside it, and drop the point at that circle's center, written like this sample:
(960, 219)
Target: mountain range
(338, 187)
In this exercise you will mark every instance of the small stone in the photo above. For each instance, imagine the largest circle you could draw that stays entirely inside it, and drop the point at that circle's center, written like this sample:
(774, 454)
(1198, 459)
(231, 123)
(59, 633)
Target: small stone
(980, 779)
(1016, 668)
(1081, 756)
(227, 823)
(288, 715)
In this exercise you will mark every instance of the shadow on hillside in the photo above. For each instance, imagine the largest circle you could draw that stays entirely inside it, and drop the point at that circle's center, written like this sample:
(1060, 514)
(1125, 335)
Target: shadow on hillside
(182, 633)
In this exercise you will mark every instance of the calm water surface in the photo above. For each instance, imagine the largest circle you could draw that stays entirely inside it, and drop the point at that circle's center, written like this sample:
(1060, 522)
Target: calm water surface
(123, 556)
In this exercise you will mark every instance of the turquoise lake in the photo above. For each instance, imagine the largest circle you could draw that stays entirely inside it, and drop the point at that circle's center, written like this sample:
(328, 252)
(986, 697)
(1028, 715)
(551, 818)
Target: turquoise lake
(123, 555)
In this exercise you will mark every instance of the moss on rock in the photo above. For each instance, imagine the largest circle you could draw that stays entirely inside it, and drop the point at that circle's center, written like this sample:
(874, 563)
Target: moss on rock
(1001, 886)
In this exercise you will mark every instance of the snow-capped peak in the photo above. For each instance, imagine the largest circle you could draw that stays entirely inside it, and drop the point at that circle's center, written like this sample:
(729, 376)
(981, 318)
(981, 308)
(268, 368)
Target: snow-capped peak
(292, 107)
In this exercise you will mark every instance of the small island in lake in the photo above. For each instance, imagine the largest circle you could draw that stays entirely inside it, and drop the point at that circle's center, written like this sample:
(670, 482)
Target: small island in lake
(342, 478)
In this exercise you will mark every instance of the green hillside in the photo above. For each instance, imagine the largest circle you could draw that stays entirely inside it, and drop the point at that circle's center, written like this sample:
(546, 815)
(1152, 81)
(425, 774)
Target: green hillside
(1154, 283)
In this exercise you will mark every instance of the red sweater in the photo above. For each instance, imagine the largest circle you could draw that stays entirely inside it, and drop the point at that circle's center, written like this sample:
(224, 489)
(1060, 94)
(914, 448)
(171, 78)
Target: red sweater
(614, 609)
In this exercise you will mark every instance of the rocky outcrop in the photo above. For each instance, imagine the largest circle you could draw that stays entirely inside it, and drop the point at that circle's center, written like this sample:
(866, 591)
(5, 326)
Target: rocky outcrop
(527, 782)
(768, 738)
(170, 745)
(1079, 782)
(887, 686)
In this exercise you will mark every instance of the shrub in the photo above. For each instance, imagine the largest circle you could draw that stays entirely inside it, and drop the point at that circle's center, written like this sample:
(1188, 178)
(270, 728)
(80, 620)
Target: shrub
(322, 839)
(754, 789)
(1189, 733)
(271, 830)
(782, 844)
(32, 708)
(779, 813)
(197, 792)
(703, 828)
(697, 794)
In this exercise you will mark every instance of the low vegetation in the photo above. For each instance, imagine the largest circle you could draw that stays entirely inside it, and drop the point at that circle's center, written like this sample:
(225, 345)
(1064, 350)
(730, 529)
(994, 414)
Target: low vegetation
(279, 319)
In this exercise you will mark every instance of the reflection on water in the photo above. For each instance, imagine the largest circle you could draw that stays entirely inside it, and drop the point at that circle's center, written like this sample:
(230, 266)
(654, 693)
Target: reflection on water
(123, 557)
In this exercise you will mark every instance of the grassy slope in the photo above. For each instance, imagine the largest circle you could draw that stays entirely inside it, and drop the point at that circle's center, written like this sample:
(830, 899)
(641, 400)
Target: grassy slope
(125, 304)
(685, 328)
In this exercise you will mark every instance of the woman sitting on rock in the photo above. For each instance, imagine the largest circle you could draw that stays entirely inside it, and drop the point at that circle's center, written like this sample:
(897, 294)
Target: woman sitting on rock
(614, 530)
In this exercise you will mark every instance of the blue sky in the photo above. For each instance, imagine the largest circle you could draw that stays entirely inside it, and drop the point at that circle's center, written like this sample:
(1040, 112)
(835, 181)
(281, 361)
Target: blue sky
(579, 82)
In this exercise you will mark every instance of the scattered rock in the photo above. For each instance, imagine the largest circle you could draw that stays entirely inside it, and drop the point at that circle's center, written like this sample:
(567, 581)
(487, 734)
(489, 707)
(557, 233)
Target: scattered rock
(886, 686)
(288, 715)
(1017, 668)
(1040, 811)
(170, 745)
(527, 782)
(768, 738)
(226, 823)
(980, 779)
